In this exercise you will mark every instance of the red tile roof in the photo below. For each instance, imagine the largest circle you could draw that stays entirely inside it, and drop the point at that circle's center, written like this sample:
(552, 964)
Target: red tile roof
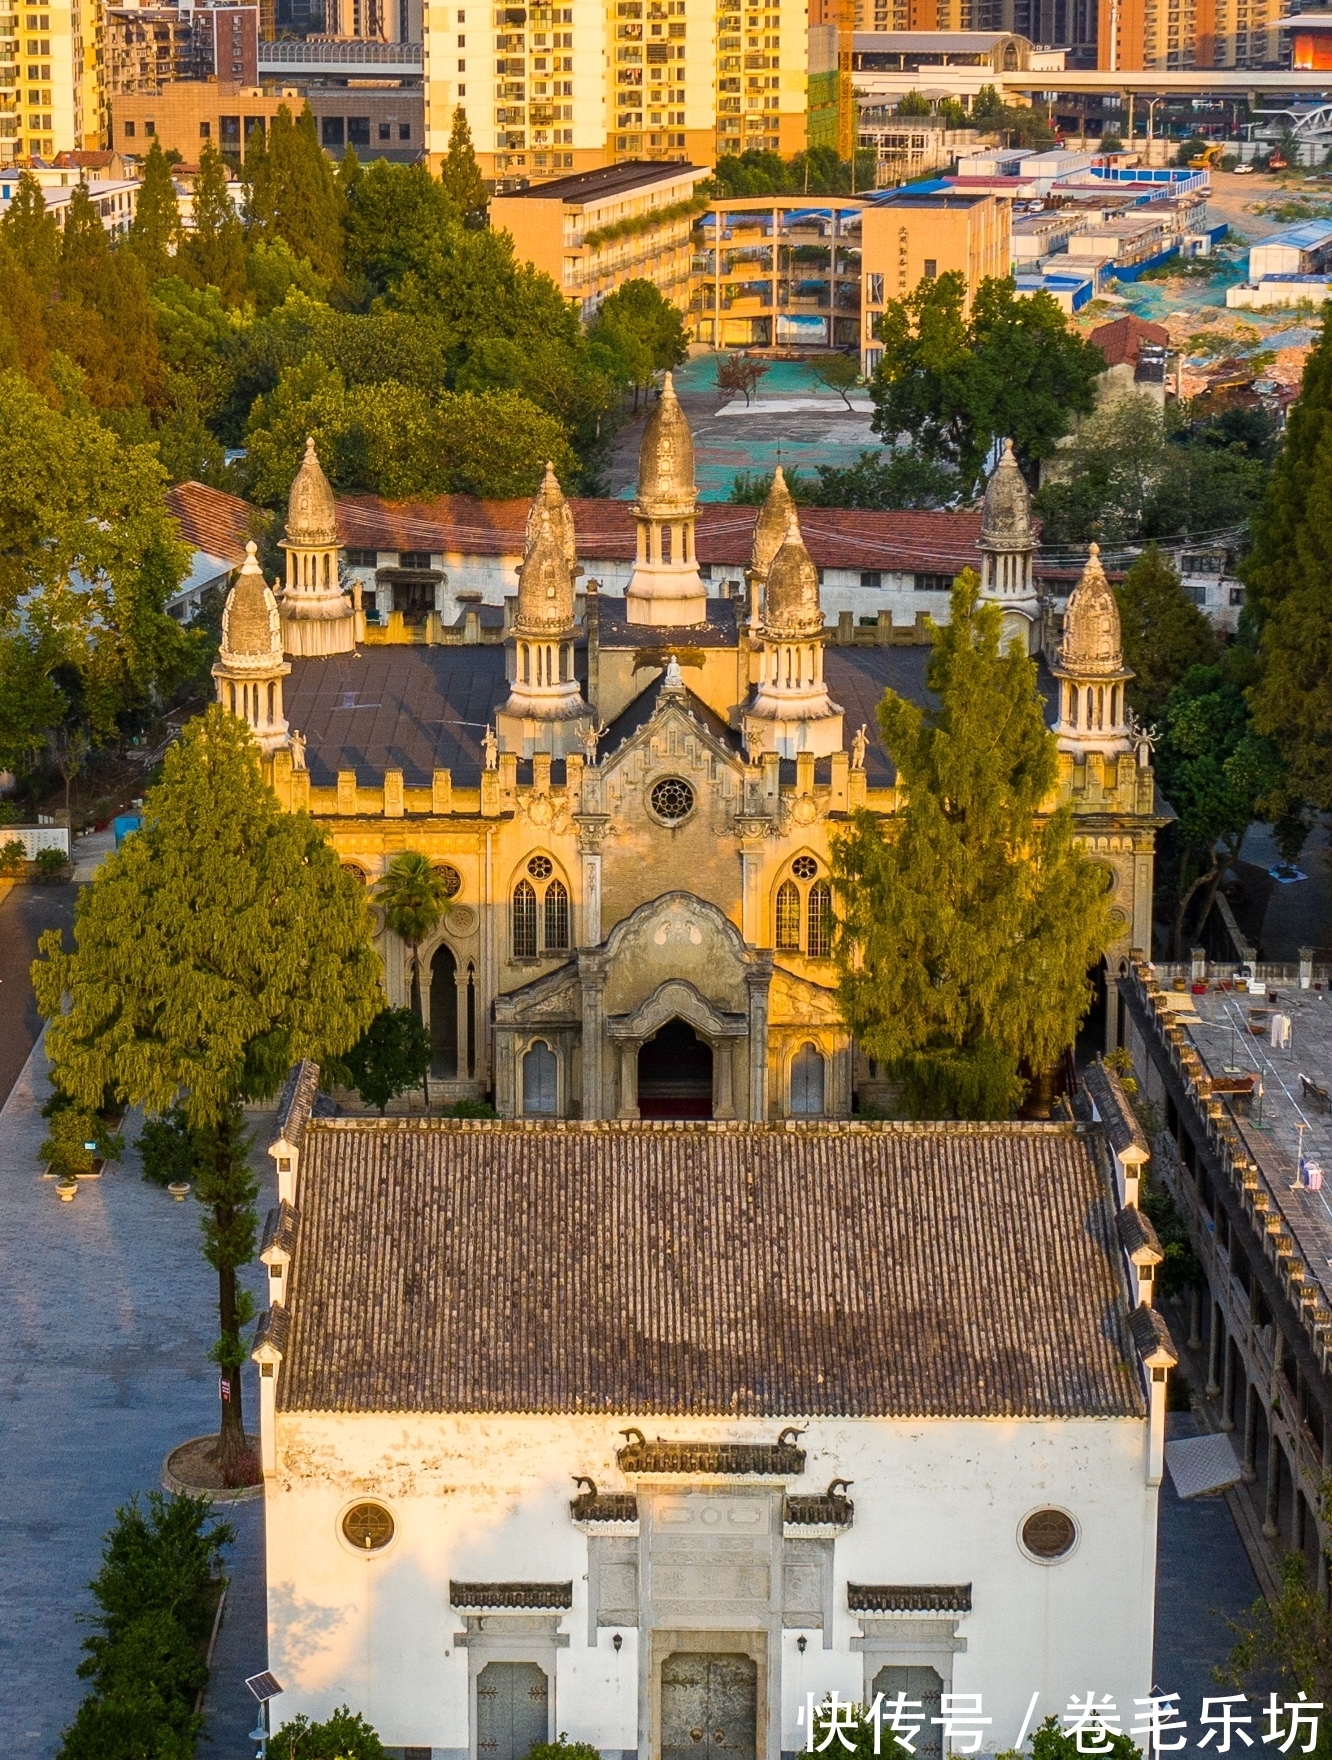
(213, 521)
(1122, 341)
(845, 538)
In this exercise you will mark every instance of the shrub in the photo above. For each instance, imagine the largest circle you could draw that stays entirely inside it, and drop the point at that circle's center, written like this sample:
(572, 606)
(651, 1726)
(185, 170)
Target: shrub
(470, 1109)
(12, 856)
(344, 1736)
(563, 1749)
(51, 861)
(166, 1149)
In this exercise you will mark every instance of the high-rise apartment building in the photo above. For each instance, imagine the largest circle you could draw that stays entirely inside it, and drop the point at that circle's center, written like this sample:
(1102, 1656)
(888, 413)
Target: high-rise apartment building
(553, 89)
(1181, 34)
(57, 101)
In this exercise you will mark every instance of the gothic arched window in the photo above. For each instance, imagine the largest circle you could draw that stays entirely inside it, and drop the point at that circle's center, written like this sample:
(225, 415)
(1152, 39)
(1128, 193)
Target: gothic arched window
(557, 917)
(820, 920)
(524, 921)
(788, 917)
(540, 1082)
(807, 1073)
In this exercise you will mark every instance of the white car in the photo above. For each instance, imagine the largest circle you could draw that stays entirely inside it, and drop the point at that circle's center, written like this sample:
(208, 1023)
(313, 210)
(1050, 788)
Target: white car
(1244, 170)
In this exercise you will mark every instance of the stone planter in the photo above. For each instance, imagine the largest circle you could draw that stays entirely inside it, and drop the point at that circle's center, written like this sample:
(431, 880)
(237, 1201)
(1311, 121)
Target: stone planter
(67, 1190)
(179, 1189)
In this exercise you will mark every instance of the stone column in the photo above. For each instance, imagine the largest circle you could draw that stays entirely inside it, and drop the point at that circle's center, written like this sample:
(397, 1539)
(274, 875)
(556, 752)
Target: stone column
(460, 983)
(757, 980)
(751, 903)
(1216, 1333)
(1322, 1550)
(628, 1079)
(591, 832)
(1272, 1503)
(594, 1029)
(1195, 1319)
(723, 1079)
(1111, 1013)
(1228, 1386)
(1249, 1471)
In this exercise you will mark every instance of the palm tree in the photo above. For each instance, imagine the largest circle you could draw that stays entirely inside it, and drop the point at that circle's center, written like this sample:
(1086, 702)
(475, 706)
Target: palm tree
(414, 898)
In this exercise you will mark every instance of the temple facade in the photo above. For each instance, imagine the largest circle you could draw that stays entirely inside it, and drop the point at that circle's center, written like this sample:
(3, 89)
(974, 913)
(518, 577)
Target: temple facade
(632, 796)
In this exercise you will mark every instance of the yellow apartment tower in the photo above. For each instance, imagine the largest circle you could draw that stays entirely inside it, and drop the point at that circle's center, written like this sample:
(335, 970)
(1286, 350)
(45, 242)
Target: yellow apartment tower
(552, 89)
(57, 102)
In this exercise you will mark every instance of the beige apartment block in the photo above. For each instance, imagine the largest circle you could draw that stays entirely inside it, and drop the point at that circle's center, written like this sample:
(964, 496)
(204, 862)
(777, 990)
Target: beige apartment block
(594, 230)
(552, 89)
(912, 238)
(57, 101)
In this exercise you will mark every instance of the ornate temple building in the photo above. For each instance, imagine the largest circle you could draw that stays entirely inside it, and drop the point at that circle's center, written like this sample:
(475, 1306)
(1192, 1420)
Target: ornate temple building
(631, 793)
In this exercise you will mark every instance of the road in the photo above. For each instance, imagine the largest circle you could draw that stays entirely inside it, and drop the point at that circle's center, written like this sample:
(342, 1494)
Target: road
(25, 913)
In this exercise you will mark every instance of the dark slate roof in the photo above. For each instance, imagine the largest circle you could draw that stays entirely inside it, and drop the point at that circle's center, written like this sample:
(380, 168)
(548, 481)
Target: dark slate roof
(603, 1506)
(909, 1597)
(409, 708)
(1151, 1334)
(1137, 1236)
(755, 1460)
(274, 1328)
(483, 1595)
(644, 707)
(617, 632)
(296, 1103)
(1118, 1118)
(745, 1270)
(827, 1509)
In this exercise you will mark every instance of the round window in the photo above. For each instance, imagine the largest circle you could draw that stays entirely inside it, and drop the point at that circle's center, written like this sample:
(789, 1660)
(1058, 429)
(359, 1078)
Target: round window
(541, 867)
(451, 878)
(672, 800)
(367, 1526)
(804, 867)
(1049, 1534)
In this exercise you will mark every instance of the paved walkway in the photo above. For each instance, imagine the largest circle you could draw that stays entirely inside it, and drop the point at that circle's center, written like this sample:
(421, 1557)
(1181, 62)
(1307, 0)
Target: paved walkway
(103, 1368)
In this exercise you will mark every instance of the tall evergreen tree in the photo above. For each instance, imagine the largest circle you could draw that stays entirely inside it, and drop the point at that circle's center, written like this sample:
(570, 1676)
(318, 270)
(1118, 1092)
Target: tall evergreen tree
(461, 175)
(102, 319)
(83, 242)
(293, 193)
(213, 254)
(155, 230)
(1164, 632)
(217, 946)
(969, 923)
(1292, 539)
(23, 344)
(31, 232)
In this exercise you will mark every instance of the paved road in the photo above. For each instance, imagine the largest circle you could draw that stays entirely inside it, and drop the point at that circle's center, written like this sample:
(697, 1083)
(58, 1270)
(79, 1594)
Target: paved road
(103, 1368)
(25, 913)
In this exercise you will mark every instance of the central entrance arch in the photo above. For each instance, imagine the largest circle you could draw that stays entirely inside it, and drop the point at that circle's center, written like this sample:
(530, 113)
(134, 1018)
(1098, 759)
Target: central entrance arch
(444, 1015)
(675, 1074)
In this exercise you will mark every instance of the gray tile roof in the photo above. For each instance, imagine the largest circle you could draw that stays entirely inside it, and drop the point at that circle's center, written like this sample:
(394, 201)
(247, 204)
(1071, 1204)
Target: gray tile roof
(296, 1103)
(279, 1229)
(1113, 1110)
(1138, 1237)
(1151, 1334)
(744, 1270)
(909, 1597)
(757, 1460)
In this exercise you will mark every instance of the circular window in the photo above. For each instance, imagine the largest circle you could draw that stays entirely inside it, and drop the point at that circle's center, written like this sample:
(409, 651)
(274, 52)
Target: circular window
(1049, 1534)
(451, 878)
(541, 867)
(367, 1526)
(672, 800)
(804, 867)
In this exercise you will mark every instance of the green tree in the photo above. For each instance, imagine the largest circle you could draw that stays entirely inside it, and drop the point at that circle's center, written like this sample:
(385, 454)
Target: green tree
(414, 898)
(840, 373)
(881, 481)
(31, 232)
(1287, 1640)
(88, 555)
(292, 192)
(1219, 774)
(956, 384)
(392, 1055)
(393, 214)
(102, 319)
(23, 343)
(213, 253)
(970, 921)
(343, 1736)
(1165, 633)
(217, 946)
(638, 310)
(461, 175)
(155, 230)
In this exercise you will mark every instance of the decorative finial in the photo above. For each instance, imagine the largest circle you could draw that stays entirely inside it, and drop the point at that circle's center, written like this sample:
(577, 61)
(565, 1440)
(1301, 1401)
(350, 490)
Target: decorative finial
(1094, 552)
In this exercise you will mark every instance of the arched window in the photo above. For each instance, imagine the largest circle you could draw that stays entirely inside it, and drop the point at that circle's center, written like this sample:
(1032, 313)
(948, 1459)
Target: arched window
(557, 917)
(540, 1072)
(271, 691)
(820, 920)
(807, 1082)
(788, 917)
(524, 921)
(665, 543)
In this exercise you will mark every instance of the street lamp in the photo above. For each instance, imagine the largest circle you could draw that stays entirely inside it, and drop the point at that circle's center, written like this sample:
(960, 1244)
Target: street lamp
(264, 1688)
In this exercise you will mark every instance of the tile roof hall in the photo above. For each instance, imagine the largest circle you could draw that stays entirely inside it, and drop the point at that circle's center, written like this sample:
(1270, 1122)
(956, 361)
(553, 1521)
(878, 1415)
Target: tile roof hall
(826, 1269)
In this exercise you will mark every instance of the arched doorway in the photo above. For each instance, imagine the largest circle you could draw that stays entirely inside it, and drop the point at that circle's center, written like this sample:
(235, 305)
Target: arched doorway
(444, 1016)
(675, 1074)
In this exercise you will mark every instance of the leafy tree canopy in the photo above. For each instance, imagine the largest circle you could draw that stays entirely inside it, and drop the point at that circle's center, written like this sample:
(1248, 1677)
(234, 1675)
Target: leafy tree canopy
(881, 481)
(343, 1736)
(956, 383)
(1165, 634)
(461, 175)
(292, 193)
(155, 230)
(392, 1055)
(969, 924)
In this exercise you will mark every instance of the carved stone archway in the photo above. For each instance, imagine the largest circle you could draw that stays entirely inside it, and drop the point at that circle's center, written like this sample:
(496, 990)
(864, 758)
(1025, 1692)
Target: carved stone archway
(677, 999)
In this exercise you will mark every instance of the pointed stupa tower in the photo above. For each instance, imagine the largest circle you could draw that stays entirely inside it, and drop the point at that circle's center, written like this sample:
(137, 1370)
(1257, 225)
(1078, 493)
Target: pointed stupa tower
(317, 616)
(1093, 716)
(665, 589)
(770, 530)
(792, 711)
(1007, 546)
(545, 711)
(250, 667)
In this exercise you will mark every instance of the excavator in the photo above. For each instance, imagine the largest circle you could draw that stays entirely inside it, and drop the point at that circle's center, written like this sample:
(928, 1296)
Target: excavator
(1209, 159)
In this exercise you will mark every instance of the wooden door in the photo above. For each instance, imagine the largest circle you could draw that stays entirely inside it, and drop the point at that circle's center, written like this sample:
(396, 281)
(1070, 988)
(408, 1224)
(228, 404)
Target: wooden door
(709, 1707)
(511, 1710)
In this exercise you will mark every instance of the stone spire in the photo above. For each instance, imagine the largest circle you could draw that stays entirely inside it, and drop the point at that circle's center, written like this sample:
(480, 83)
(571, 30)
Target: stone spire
(1008, 545)
(769, 536)
(1093, 715)
(665, 589)
(792, 711)
(250, 668)
(317, 616)
(545, 711)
